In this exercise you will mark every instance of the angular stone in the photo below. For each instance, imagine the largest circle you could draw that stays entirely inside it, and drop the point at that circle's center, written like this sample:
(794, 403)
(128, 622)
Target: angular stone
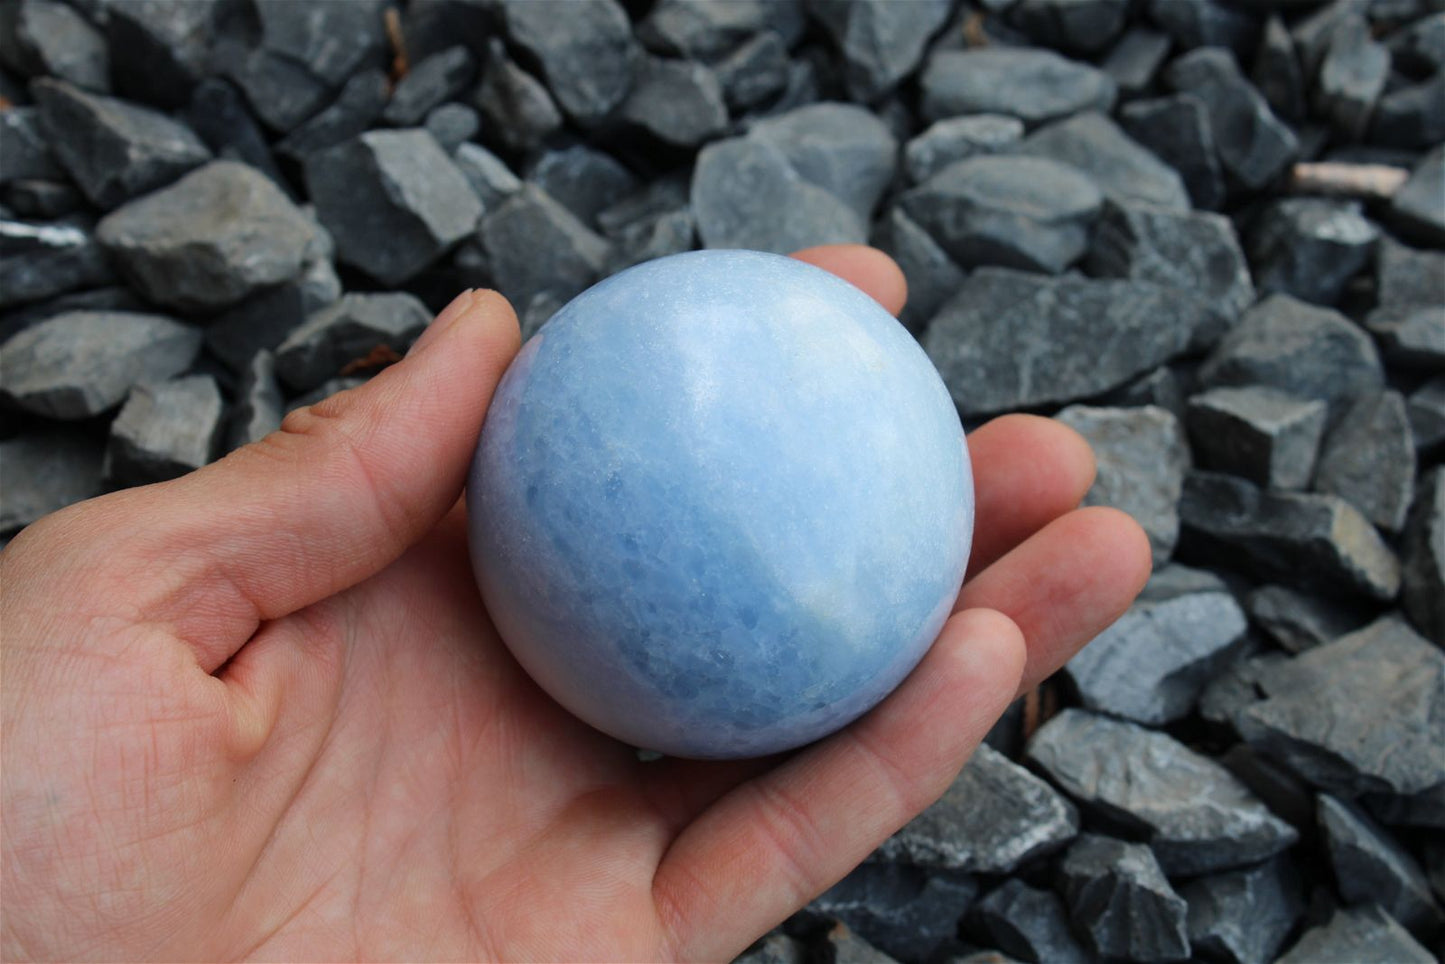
(393, 200)
(24, 147)
(583, 180)
(1003, 328)
(1368, 459)
(774, 948)
(282, 92)
(994, 817)
(1418, 208)
(1410, 336)
(536, 245)
(657, 197)
(1035, 86)
(1371, 867)
(1126, 172)
(1351, 77)
(1253, 144)
(1277, 71)
(259, 405)
(218, 114)
(1178, 130)
(1299, 621)
(1195, 815)
(514, 105)
(957, 139)
(164, 430)
(489, 176)
(39, 261)
(112, 149)
(1119, 900)
(899, 909)
(1360, 935)
(159, 49)
(1423, 588)
(1173, 579)
(881, 41)
(213, 238)
(1164, 386)
(1204, 23)
(264, 320)
(1019, 212)
(1359, 715)
(46, 471)
(45, 200)
(1411, 117)
(841, 148)
(355, 328)
(587, 57)
(49, 38)
(1298, 348)
(676, 101)
(1231, 691)
(1244, 916)
(932, 276)
(1079, 26)
(670, 233)
(704, 31)
(110, 298)
(753, 73)
(1136, 58)
(452, 125)
(1311, 247)
(1029, 924)
(1426, 410)
(739, 185)
(353, 111)
(333, 41)
(1260, 434)
(849, 948)
(81, 363)
(434, 80)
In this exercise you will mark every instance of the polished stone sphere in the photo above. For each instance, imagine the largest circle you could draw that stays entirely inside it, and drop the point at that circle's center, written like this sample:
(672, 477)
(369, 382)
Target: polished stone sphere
(721, 505)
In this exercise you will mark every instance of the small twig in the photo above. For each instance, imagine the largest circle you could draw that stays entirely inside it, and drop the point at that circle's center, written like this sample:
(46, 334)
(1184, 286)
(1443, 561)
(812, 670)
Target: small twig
(399, 62)
(973, 32)
(379, 357)
(1032, 712)
(1374, 181)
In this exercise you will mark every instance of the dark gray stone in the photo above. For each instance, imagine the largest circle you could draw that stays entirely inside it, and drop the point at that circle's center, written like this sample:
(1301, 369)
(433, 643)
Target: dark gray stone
(347, 332)
(670, 233)
(1164, 386)
(1036, 86)
(109, 298)
(1312, 33)
(539, 311)
(1029, 924)
(849, 948)
(332, 40)
(264, 320)
(841, 148)
(1260, 434)
(1120, 902)
(210, 240)
(932, 276)
(112, 149)
(1423, 589)
(452, 125)
(159, 49)
(1311, 247)
(1359, 715)
(39, 261)
(1419, 47)
(1299, 621)
(587, 57)
(1411, 117)
(1253, 145)
(393, 200)
(1313, 542)
(49, 38)
(754, 73)
(1418, 208)
(994, 817)
(655, 198)
(358, 105)
(740, 184)
(1360, 935)
(24, 147)
(281, 91)
(433, 81)
(705, 31)
(489, 176)
(164, 430)
(218, 114)
(1368, 459)
(1410, 290)
(957, 139)
(1244, 916)
(536, 245)
(45, 200)
(1371, 867)
(1078, 26)
(1298, 348)
(881, 41)
(81, 363)
(1142, 456)
(46, 471)
(1196, 816)
(676, 101)
(1410, 336)
(1122, 169)
(1426, 411)
(1018, 212)
(1173, 579)
(1233, 690)
(1178, 130)
(1277, 71)
(899, 909)
(1204, 23)
(1136, 58)
(1351, 77)
(774, 948)
(1005, 326)
(515, 107)
(259, 405)
(583, 180)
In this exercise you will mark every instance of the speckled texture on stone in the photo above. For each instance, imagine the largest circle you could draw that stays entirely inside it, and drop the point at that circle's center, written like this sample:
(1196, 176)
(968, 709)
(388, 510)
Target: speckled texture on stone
(1371, 867)
(1035, 86)
(1119, 900)
(1299, 621)
(1368, 459)
(900, 909)
(164, 430)
(587, 55)
(1124, 170)
(881, 41)
(345, 333)
(1260, 434)
(1311, 247)
(1423, 589)
(1360, 935)
(45, 471)
(1028, 923)
(1244, 916)
(708, 634)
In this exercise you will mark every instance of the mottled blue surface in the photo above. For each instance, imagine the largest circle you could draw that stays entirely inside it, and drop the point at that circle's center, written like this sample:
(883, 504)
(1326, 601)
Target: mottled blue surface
(721, 505)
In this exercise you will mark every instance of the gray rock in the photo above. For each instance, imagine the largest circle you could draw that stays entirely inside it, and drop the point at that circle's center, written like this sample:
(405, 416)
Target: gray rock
(539, 311)
(259, 405)
(657, 197)
(1311, 247)
(1298, 348)
(1253, 145)
(1163, 386)
(159, 49)
(1260, 434)
(881, 41)
(1277, 71)
(1029, 924)
(1368, 459)
(1299, 621)
(1173, 579)
(434, 80)
(1195, 251)
(1419, 47)
(452, 125)
(354, 110)
(1119, 900)
(220, 117)
(393, 200)
(740, 184)
(1411, 117)
(1410, 336)
(1035, 86)
(705, 31)
(587, 57)
(899, 909)
(1122, 169)
(264, 320)
(849, 948)
(24, 147)
(81, 363)
(1244, 916)
(1203, 23)
(994, 817)
(670, 233)
(46, 37)
(210, 240)
(39, 261)
(1136, 58)
(932, 276)
(774, 948)
(1019, 212)
(1079, 26)
(1418, 208)
(1234, 689)
(676, 101)
(1142, 456)
(1359, 715)
(1423, 587)
(44, 472)
(957, 139)
(491, 179)
(1178, 130)
(1351, 77)
(1313, 542)
(841, 148)
(283, 92)
(1370, 867)
(994, 340)
(754, 73)
(339, 335)
(164, 430)
(112, 149)
(45, 200)
(1312, 34)
(583, 180)
(514, 105)
(333, 41)
(536, 245)
(1426, 411)
(1360, 935)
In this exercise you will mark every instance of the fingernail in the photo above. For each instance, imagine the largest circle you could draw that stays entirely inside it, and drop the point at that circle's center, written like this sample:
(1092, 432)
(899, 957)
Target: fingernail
(443, 321)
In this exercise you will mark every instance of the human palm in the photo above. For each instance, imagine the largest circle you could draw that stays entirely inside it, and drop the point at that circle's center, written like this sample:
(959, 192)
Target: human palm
(261, 712)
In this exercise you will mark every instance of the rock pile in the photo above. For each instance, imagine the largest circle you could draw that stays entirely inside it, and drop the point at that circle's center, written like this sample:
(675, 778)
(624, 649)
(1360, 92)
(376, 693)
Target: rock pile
(214, 211)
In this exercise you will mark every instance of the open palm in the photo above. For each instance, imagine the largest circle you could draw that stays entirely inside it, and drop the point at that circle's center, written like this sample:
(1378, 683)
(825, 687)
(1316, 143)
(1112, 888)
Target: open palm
(261, 712)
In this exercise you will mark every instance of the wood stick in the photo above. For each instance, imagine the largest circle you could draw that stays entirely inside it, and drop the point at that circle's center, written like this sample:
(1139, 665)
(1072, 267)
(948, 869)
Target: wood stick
(1372, 181)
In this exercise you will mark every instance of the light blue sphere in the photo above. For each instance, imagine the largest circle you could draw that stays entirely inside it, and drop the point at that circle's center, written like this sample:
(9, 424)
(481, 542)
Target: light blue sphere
(721, 505)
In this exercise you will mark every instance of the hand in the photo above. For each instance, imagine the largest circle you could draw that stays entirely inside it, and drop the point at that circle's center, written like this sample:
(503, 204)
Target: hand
(260, 711)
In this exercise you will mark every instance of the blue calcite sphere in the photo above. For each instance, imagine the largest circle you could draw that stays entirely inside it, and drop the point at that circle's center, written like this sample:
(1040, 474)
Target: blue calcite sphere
(721, 505)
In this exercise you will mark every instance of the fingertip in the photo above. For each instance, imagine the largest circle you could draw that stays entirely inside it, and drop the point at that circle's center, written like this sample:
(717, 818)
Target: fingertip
(1133, 554)
(869, 269)
(988, 649)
